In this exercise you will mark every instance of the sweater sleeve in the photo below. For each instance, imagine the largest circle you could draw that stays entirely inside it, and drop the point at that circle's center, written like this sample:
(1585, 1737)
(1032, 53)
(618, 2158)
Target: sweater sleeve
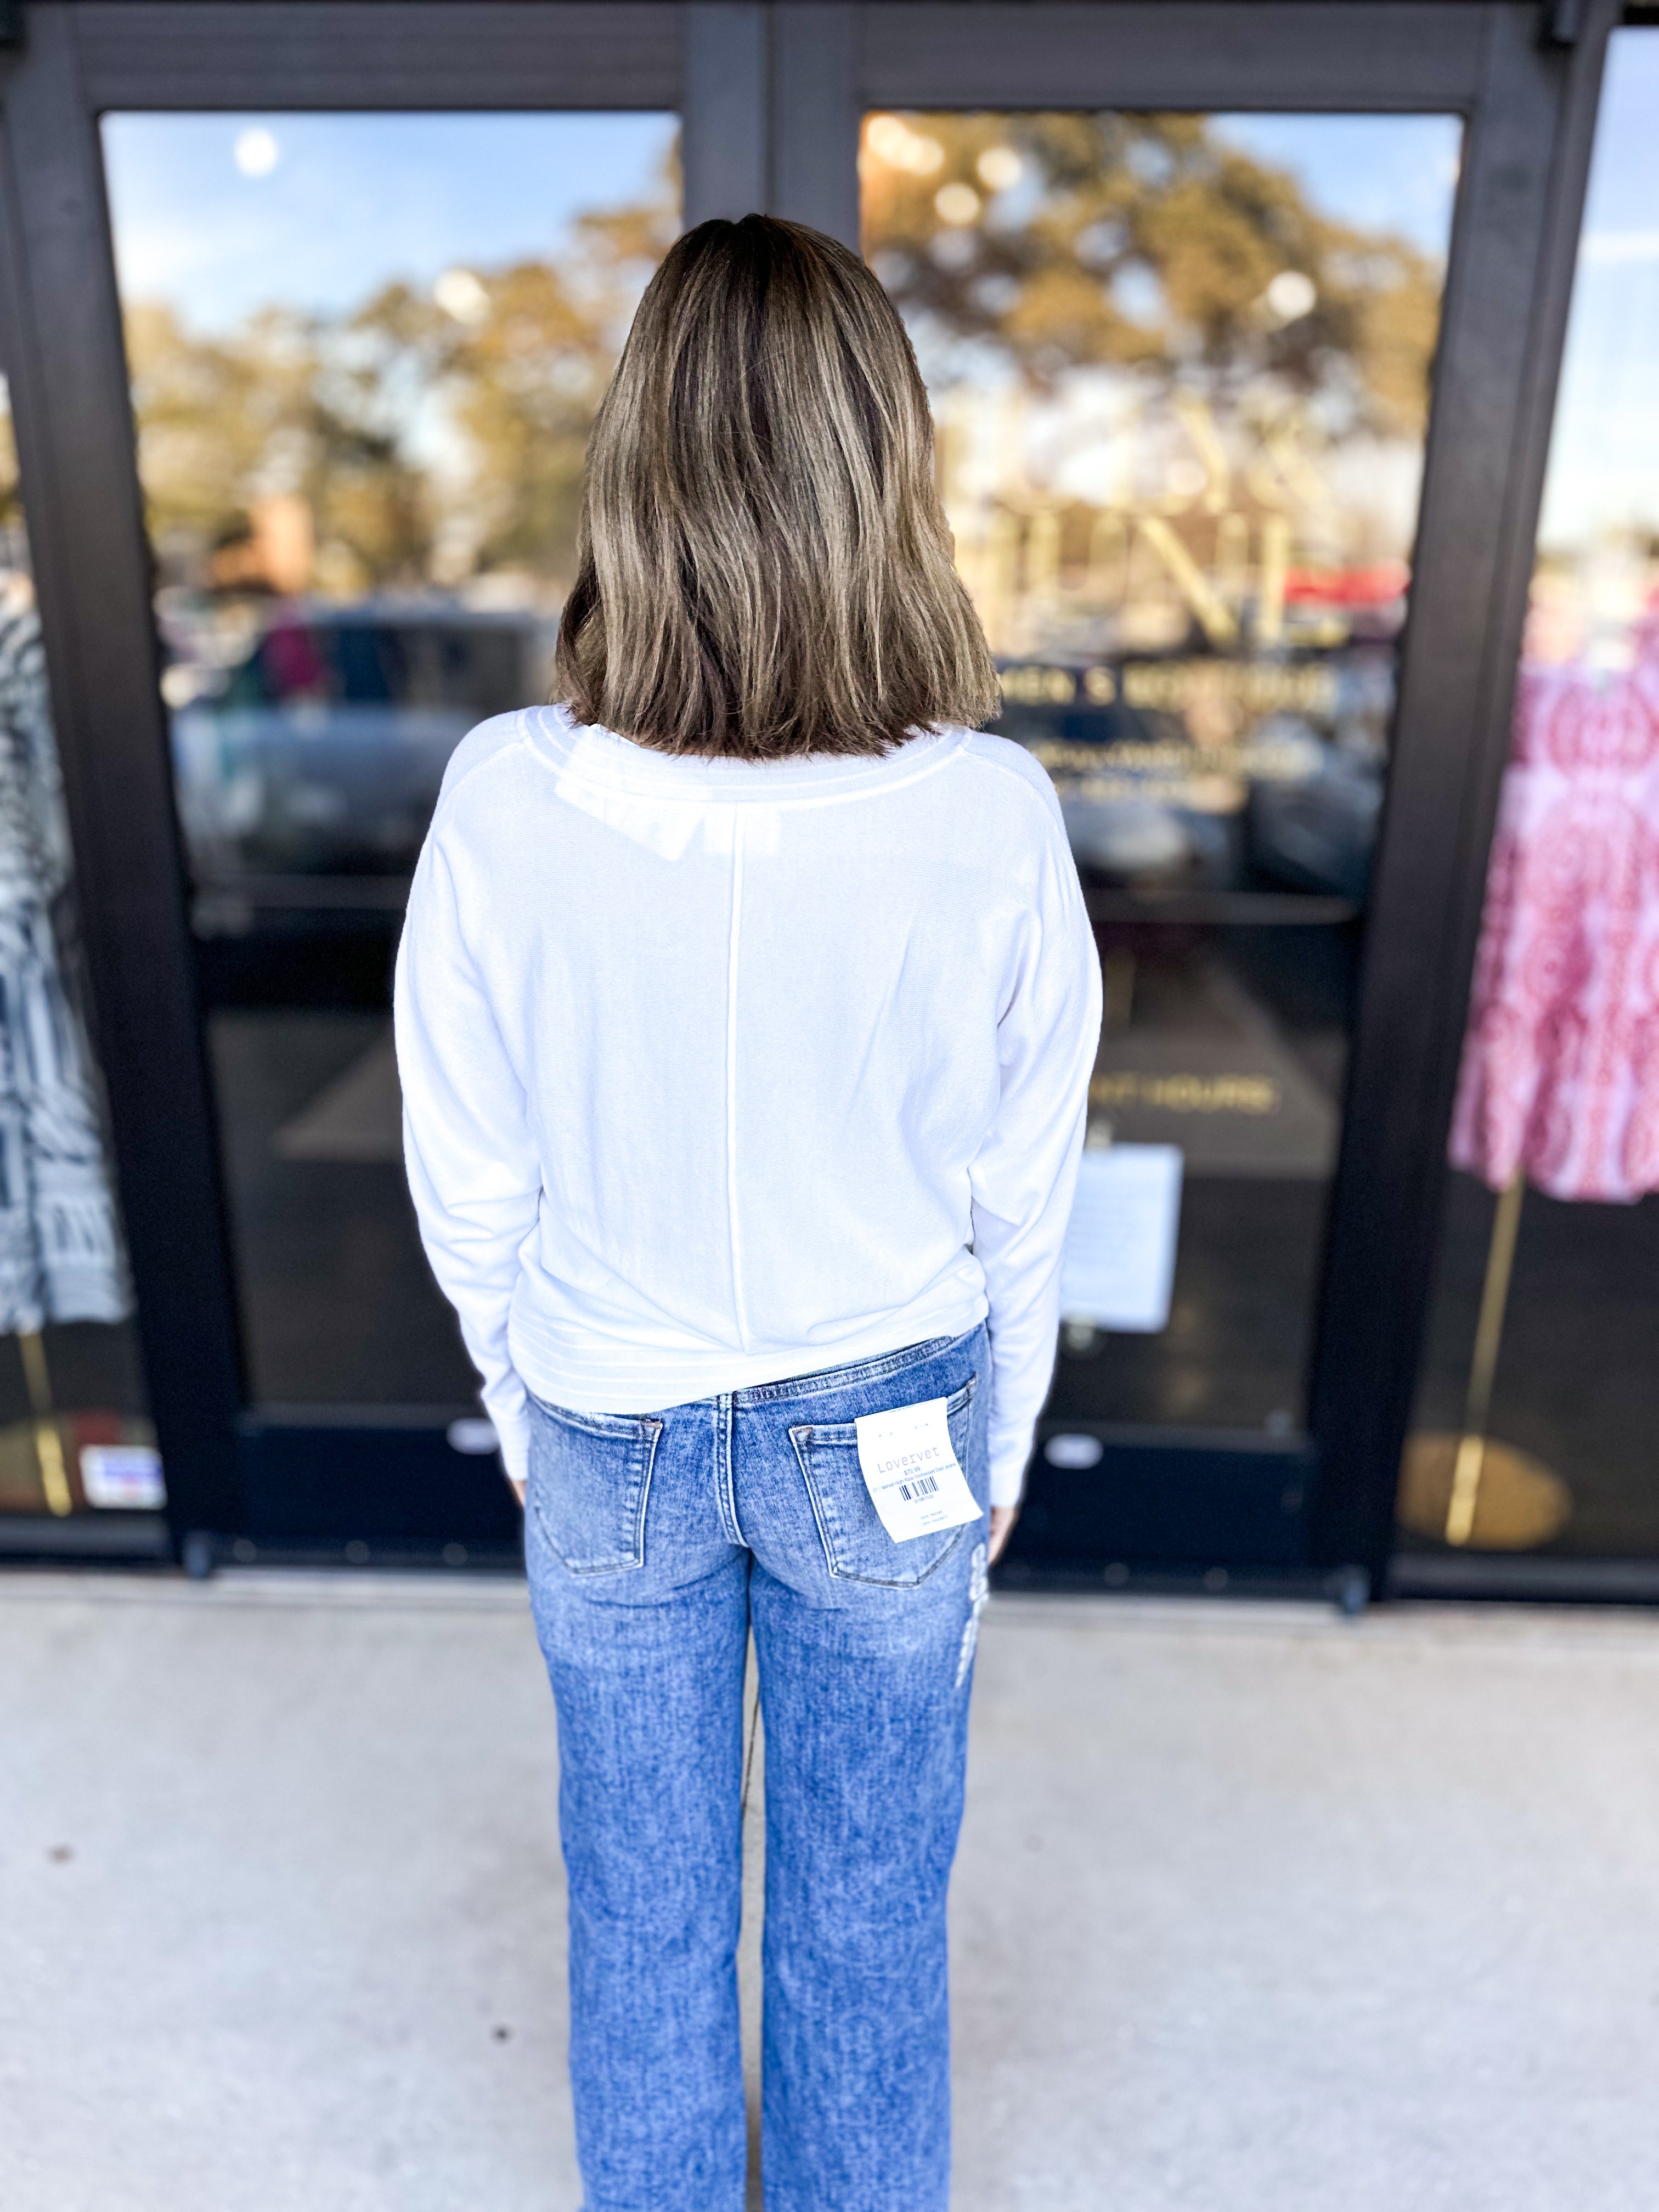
(1025, 1175)
(473, 1170)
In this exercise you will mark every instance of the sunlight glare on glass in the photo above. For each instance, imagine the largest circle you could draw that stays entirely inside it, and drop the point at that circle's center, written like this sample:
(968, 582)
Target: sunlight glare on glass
(998, 167)
(1608, 246)
(255, 151)
(892, 140)
(1599, 533)
(461, 297)
(957, 204)
(1290, 295)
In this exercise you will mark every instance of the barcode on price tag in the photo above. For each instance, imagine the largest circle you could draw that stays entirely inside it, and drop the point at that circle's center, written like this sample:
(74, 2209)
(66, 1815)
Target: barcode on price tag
(915, 1480)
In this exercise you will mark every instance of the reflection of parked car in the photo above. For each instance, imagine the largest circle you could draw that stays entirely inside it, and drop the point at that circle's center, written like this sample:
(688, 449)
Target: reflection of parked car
(1320, 834)
(322, 751)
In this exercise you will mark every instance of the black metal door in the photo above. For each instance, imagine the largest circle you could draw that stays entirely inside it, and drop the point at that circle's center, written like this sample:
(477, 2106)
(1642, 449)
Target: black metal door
(308, 311)
(231, 637)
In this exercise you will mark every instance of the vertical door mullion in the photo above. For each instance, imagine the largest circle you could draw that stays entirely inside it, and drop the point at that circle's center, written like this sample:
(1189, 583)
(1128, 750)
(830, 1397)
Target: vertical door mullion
(86, 523)
(1503, 324)
(816, 113)
(724, 110)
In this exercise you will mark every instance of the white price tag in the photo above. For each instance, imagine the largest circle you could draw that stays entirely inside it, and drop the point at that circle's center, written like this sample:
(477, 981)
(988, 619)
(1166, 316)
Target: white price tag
(913, 1476)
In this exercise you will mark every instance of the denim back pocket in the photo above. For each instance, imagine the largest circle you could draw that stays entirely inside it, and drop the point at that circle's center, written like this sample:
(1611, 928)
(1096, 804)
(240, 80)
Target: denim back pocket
(589, 1481)
(856, 1544)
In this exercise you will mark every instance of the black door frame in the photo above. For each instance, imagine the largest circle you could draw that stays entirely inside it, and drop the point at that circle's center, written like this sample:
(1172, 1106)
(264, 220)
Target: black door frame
(770, 98)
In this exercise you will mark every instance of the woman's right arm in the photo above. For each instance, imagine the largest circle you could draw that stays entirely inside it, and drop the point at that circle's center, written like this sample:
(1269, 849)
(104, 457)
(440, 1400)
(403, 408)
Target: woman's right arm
(474, 1172)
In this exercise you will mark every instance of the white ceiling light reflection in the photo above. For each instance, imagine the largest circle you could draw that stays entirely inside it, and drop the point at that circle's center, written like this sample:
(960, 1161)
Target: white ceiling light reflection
(256, 152)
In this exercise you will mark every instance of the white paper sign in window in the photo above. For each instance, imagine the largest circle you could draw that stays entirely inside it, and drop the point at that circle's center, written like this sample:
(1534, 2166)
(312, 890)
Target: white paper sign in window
(1119, 1266)
(123, 1475)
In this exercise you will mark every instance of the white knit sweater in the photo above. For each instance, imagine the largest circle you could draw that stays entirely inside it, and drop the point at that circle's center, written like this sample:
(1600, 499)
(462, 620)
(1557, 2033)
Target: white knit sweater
(717, 1073)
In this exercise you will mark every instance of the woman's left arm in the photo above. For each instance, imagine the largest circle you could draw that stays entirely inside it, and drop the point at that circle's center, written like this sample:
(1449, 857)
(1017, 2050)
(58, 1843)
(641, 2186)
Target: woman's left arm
(474, 1172)
(1024, 1174)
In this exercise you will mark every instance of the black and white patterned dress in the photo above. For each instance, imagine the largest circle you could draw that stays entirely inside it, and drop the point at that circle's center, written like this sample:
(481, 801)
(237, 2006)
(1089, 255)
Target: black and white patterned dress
(61, 1256)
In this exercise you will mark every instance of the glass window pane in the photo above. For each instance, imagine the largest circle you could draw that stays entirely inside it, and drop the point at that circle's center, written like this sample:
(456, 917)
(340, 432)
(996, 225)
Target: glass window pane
(1540, 1381)
(74, 1438)
(365, 354)
(1181, 366)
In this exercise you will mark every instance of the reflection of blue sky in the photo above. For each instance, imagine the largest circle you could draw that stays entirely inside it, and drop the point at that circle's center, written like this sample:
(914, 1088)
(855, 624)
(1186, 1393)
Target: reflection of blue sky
(1387, 172)
(1604, 459)
(353, 200)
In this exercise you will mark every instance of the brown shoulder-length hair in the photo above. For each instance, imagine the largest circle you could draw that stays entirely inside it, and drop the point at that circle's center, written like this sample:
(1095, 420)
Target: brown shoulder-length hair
(764, 569)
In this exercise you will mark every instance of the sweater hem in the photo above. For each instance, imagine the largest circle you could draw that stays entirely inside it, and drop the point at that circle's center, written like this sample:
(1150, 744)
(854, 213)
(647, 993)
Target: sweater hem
(591, 1378)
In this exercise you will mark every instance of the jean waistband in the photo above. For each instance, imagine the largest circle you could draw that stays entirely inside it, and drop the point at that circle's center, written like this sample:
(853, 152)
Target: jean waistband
(826, 1379)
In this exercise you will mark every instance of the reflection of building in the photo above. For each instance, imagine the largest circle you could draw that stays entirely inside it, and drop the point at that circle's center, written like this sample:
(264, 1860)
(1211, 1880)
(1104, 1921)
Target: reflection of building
(1213, 771)
(1242, 533)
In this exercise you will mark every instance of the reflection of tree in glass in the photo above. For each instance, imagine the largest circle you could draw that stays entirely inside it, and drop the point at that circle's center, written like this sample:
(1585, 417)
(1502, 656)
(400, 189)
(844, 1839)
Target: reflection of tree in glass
(1178, 406)
(428, 436)
(1070, 240)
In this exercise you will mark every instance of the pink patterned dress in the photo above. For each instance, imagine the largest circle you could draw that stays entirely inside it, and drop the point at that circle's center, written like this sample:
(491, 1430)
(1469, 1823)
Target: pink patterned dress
(1560, 1070)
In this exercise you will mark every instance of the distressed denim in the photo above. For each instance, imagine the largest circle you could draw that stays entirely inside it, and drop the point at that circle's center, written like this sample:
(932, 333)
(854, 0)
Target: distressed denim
(656, 1543)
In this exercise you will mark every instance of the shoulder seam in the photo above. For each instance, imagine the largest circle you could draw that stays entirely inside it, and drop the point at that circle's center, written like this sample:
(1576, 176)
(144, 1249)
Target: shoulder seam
(500, 753)
(1008, 775)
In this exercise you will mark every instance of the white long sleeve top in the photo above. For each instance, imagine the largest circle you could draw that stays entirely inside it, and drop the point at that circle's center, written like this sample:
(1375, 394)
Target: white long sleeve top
(716, 1072)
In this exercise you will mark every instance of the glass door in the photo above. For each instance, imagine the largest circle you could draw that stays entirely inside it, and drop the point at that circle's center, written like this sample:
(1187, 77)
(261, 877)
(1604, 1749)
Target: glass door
(365, 351)
(315, 317)
(1180, 367)
(1531, 1465)
(1202, 332)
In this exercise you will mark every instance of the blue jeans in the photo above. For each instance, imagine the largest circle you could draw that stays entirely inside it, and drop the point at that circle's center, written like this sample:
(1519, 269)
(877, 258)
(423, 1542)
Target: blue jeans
(655, 1544)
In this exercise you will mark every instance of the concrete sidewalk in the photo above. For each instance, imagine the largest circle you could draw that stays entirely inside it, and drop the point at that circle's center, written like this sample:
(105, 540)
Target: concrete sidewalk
(1257, 1910)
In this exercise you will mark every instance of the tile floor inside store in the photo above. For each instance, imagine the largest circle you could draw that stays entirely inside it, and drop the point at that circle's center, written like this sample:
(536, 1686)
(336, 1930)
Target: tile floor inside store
(1257, 1910)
